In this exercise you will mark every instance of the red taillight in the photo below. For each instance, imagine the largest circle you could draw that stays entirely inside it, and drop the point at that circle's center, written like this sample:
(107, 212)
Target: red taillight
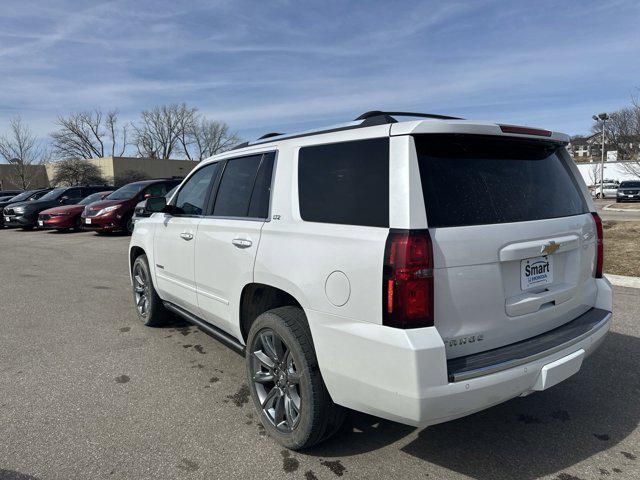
(599, 245)
(524, 130)
(408, 279)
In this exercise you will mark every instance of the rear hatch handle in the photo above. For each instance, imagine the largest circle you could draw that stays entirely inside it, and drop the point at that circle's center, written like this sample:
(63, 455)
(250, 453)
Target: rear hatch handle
(535, 248)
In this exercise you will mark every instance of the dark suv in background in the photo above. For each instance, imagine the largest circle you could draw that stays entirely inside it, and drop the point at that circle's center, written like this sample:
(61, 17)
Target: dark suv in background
(27, 196)
(115, 212)
(25, 214)
(628, 191)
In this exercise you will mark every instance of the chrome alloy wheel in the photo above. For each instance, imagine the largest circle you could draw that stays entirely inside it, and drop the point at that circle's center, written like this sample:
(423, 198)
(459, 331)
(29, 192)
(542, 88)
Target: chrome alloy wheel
(141, 289)
(276, 380)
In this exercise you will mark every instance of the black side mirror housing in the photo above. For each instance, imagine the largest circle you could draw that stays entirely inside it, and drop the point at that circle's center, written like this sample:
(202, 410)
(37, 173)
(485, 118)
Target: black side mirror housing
(155, 205)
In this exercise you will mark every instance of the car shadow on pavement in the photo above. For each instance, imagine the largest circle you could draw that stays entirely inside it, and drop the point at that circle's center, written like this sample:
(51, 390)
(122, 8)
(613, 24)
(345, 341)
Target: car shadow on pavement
(549, 431)
(525, 438)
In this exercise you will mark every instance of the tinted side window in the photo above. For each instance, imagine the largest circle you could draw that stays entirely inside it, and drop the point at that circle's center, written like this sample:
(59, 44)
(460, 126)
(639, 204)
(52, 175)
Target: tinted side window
(236, 186)
(156, 190)
(73, 193)
(345, 183)
(193, 194)
(259, 205)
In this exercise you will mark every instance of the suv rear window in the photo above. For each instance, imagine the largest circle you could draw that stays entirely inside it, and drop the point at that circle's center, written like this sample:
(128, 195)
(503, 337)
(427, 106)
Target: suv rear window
(345, 183)
(476, 180)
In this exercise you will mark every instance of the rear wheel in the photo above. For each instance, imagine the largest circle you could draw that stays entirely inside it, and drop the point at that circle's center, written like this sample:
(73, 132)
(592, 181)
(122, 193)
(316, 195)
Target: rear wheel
(148, 304)
(285, 381)
(77, 225)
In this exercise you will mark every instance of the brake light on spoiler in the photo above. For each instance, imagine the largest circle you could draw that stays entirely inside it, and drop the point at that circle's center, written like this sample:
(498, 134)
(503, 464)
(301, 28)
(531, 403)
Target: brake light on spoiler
(524, 130)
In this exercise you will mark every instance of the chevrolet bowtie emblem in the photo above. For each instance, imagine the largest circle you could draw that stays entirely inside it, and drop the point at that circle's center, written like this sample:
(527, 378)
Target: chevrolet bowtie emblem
(549, 248)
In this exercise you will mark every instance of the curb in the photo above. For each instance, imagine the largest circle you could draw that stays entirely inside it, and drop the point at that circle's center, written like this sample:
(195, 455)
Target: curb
(623, 281)
(608, 207)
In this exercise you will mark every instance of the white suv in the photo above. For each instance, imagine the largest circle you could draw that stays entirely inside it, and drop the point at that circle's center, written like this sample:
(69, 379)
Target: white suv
(419, 271)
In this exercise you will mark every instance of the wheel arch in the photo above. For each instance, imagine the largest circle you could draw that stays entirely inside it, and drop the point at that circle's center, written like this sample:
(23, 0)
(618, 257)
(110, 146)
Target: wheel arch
(257, 298)
(134, 252)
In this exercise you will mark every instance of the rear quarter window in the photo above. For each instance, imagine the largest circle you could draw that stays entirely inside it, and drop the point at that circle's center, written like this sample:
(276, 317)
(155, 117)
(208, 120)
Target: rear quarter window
(345, 183)
(476, 180)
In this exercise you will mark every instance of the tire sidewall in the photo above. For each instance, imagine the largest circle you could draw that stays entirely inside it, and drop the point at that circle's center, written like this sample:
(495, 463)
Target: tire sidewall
(144, 263)
(307, 390)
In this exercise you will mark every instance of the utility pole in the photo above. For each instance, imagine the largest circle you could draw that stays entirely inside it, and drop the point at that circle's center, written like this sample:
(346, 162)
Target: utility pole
(602, 117)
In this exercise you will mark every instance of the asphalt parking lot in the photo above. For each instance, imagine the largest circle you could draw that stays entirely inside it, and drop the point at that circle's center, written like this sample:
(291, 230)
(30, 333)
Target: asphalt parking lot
(86, 392)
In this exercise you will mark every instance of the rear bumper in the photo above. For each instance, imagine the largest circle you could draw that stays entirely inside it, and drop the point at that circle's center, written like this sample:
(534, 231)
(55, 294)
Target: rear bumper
(403, 375)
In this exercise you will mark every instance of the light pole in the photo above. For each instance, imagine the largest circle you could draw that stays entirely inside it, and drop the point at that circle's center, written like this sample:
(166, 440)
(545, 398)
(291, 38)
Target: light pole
(602, 117)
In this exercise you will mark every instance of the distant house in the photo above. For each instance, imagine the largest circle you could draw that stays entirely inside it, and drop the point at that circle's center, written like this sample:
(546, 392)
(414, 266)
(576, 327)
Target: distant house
(591, 146)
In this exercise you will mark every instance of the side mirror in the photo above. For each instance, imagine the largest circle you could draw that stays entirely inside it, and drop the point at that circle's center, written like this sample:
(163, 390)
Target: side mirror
(147, 195)
(155, 205)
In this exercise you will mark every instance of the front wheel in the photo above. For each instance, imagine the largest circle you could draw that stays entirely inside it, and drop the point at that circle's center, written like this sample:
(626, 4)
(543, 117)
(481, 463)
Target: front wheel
(148, 304)
(285, 382)
(129, 225)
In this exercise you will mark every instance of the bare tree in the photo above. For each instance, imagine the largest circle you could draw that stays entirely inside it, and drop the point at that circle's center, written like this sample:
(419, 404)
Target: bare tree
(22, 150)
(161, 130)
(89, 135)
(633, 119)
(203, 138)
(77, 171)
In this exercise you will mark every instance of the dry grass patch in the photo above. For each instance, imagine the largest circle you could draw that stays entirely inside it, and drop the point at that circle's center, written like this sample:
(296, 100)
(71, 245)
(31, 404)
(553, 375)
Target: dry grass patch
(622, 248)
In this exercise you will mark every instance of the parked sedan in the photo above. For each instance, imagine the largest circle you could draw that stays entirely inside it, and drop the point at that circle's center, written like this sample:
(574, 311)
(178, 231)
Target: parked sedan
(25, 214)
(628, 191)
(115, 212)
(67, 217)
(609, 190)
(28, 196)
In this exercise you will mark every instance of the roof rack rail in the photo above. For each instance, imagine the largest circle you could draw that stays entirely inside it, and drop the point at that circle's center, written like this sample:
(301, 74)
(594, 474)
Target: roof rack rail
(368, 119)
(269, 135)
(377, 117)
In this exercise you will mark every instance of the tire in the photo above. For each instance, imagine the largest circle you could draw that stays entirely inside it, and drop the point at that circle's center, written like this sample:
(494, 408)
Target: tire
(77, 226)
(128, 226)
(149, 307)
(27, 228)
(297, 381)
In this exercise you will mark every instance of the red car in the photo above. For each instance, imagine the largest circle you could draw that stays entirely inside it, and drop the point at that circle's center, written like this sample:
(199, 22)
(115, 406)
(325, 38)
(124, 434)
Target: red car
(67, 217)
(115, 212)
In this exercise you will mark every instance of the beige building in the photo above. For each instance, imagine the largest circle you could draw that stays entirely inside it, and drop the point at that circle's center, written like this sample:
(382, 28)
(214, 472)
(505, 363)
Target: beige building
(42, 175)
(113, 166)
(10, 178)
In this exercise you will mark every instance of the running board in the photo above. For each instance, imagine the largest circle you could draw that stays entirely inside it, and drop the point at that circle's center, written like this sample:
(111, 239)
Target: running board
(215, 332)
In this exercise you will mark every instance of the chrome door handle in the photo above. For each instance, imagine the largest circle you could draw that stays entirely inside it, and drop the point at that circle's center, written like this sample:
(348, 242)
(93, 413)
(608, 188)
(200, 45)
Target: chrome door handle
(186, 236)
(242, 242)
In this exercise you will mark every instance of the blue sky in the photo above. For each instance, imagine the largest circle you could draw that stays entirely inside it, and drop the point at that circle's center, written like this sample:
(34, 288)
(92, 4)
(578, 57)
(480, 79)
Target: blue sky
(286, 66)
